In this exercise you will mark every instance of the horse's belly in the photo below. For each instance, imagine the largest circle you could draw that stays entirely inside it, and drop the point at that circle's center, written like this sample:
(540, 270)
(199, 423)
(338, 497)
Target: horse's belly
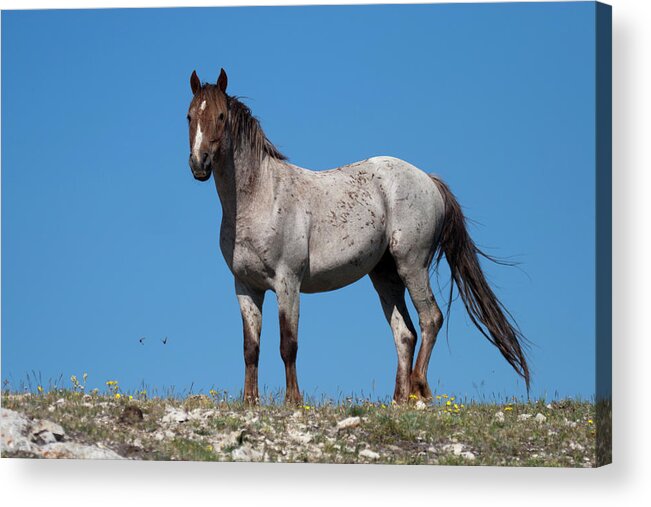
(341, 263)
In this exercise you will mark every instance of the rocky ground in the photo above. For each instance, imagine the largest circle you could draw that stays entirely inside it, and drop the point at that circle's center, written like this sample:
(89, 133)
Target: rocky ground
(71, 424)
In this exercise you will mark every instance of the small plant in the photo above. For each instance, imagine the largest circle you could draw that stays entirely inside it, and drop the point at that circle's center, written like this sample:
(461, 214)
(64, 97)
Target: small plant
(113, 389)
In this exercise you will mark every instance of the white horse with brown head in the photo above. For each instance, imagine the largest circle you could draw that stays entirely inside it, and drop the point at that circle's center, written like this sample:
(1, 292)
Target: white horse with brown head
(292, 230)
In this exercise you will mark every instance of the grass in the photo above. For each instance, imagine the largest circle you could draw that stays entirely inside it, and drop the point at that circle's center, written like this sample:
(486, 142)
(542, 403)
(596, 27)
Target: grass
(216, 428)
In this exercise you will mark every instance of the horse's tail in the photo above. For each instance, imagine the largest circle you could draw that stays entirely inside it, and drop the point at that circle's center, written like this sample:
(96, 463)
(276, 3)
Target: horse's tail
(486, 312)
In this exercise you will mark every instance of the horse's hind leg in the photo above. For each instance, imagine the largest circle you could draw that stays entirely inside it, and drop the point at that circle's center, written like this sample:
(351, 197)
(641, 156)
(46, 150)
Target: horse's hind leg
(391, 290)
(430, 318)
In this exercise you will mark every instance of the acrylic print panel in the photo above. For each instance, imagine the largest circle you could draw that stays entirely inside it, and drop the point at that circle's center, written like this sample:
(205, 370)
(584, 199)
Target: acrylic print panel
(457, 154)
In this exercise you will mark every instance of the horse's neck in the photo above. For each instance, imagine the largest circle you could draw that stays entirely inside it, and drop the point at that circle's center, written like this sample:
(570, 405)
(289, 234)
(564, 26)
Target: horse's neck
(243, 181)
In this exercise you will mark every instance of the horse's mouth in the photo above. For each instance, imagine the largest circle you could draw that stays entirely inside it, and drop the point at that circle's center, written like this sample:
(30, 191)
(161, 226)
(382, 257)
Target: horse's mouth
(201, 176)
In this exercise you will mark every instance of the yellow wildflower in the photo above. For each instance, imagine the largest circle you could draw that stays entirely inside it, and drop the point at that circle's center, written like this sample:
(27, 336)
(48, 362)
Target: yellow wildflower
(306, 407)
(448, 403)
(445, 395)
(117, 396)
(438, 396)
(130, 397)
(508, 408)
(590, 421)
(39, 389)
(413, 397)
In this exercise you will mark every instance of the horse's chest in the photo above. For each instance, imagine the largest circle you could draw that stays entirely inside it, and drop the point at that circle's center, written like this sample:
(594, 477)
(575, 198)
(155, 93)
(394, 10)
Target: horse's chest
(248, 258)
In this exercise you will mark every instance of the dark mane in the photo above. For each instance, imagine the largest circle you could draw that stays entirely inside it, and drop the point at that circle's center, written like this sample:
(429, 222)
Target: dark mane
(247, 132)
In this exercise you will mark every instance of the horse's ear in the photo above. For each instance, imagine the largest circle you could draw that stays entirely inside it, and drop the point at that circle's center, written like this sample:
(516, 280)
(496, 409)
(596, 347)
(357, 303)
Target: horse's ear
(195, 83)
(222, 81)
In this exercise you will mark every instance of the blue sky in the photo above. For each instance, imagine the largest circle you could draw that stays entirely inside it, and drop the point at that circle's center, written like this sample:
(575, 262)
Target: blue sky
(106, 237)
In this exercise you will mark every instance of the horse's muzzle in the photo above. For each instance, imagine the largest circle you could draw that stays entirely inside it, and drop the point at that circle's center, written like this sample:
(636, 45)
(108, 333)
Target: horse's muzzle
(201, 171)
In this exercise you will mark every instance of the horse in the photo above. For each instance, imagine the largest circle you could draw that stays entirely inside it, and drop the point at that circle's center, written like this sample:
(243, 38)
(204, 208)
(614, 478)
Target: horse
(291, 230)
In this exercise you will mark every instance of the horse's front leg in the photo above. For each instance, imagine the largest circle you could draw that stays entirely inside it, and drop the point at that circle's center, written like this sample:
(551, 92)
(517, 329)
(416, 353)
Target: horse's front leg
(288, 293)
(251, 308)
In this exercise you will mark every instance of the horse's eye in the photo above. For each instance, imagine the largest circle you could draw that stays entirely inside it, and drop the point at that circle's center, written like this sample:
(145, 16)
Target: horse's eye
(188, 117)
(221, 116)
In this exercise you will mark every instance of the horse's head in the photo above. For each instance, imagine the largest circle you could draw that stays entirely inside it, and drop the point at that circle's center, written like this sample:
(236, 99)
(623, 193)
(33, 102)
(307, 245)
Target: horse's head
(206, 120)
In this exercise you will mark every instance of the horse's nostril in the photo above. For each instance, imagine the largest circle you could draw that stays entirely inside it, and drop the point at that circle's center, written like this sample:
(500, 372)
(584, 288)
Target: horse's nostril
(205, 161)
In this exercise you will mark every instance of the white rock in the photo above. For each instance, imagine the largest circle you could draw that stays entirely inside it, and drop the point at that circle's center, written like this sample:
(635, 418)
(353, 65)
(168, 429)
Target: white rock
(230, 439)
(175, 415)
(13, 427)
(455, 449)
(524, 417)
(73, 450)
(549, 406)
(540, 418)
(349, 422)
(46, 432)
(499, 416)
(199, 414)
(315, 453)
(246, 453)
(44, 437)
(367, 453)
(458, 450)
(301, 438)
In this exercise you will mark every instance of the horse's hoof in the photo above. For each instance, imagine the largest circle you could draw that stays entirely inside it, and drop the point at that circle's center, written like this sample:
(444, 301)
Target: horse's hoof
(420, 390)
(294, 399)
(251, 400)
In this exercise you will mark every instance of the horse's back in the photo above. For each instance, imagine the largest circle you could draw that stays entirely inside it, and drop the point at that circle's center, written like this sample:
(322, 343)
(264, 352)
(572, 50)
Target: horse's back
(411, 197)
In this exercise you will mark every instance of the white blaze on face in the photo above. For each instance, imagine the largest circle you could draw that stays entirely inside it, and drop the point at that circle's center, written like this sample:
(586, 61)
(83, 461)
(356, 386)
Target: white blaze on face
(196, 146)
(198, 137)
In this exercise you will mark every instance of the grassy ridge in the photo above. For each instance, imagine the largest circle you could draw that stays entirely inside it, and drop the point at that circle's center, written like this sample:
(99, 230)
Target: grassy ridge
(210, 428)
